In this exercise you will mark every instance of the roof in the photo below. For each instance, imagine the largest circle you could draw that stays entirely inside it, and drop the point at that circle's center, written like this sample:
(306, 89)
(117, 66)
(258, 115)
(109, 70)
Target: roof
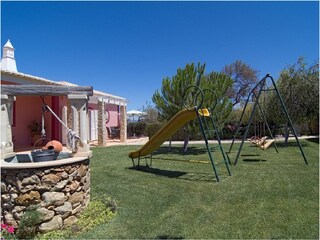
(8, 45)
(62, 83)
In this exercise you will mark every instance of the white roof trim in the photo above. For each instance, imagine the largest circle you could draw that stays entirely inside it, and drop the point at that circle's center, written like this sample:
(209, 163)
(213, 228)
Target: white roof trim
(106, 96)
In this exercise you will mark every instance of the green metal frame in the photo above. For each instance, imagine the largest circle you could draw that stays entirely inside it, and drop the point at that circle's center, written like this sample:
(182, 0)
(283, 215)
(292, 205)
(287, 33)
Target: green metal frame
(261, 87)
(208, 133)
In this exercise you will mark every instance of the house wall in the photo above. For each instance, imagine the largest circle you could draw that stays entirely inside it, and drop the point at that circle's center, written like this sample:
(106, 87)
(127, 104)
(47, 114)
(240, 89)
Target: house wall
(28, 109)
(113, 115)
(114, 120)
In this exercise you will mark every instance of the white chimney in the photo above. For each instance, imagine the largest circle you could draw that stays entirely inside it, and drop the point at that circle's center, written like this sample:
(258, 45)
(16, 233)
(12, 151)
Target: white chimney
(8, 62)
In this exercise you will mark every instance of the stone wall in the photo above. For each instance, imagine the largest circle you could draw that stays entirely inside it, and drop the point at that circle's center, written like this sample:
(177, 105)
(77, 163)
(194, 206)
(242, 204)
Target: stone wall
(60, 194)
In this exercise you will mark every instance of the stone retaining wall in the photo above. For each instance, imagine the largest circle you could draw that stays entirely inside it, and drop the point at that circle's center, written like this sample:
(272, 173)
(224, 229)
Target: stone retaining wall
(60, 194)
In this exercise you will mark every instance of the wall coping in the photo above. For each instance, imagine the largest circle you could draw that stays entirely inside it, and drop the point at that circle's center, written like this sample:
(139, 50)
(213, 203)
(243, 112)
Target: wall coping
(54, 163)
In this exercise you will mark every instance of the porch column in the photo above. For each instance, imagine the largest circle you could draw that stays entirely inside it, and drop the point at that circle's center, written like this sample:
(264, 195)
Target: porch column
(5, 124)
(102, 130)
(79, 113)
(64, 118)
(123, 123)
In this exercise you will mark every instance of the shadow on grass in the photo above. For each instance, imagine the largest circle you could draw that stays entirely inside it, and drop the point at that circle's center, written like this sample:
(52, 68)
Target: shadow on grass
(314, 140)
(167, 237)
(254, 160)
(178, 150)
(160, 172)
(291, 144)
(191, 176)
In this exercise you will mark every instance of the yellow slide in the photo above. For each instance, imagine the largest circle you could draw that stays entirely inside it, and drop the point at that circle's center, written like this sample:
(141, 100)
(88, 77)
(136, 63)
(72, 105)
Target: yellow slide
(173, 125)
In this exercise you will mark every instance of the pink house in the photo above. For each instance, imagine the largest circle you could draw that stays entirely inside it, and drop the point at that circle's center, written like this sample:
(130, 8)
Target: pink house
(106, 112)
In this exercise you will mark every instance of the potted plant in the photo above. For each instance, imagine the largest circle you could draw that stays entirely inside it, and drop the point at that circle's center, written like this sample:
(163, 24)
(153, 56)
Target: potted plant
(35, 130)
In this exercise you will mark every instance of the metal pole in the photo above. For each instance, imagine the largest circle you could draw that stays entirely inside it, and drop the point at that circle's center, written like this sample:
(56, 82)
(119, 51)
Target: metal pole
(220, 146)
(207, 145)
(250, 119)
(288, 118)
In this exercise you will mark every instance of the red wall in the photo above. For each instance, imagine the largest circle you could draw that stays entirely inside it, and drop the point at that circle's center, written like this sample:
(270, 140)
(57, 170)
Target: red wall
(27, 109)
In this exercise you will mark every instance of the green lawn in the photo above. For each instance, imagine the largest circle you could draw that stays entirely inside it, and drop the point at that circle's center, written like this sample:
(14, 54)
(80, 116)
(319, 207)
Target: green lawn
(269, 195)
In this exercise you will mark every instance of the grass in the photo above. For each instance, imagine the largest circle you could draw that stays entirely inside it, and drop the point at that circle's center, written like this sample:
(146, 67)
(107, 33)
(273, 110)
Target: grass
(269, 195)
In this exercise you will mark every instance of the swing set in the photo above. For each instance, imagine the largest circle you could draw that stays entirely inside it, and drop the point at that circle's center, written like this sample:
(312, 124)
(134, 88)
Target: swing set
(263, 142)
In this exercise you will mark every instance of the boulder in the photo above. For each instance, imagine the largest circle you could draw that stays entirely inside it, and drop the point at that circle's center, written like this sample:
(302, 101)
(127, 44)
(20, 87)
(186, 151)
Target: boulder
(53, 198)
(54, 224)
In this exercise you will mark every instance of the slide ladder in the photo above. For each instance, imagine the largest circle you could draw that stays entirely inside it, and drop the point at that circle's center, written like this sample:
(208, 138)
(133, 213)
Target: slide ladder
(208, 133)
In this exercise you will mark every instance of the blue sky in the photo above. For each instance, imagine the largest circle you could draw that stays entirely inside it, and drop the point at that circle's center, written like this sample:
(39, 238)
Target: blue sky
(127, 48)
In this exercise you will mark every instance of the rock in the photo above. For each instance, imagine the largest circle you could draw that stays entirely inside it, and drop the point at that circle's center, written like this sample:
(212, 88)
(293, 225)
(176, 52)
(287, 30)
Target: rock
(86, 186)
(3, 187)
(77, 209)
(64, 210)
(82, 170)
(59, 170)
(11, 180)
(13, 189)
(19, 208)
(39, 173)
(60, 185)
(26, 199)
(18, 212)
(53, 198)
(45, 214)
(5, 198)
(62, 175)
(50, 179)
(54, 224)
(86, 178)
(29, 188)
(32, 180)
(9, 220)
(7, 205)
(70, 221)
(66, 207)
(73, 186)
(77, 197)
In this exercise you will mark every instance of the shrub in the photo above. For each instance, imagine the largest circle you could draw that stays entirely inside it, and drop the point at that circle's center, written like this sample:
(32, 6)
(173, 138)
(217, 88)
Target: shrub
(29, 222)
(136, 128)
(101, 209)
(152, 128)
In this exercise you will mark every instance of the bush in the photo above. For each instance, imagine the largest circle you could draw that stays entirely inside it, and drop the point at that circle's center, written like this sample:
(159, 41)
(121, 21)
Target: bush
(100, 210)
(136, 128)
(28, 223)
(152, 128)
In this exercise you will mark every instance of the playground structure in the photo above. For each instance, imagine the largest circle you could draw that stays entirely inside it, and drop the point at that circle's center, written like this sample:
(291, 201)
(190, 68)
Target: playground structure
(208, 128)
(206, 121)
(263, 142)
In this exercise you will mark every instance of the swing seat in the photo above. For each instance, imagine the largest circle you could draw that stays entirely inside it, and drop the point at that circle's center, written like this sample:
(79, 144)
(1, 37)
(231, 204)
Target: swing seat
(258, 141)
(267, 144)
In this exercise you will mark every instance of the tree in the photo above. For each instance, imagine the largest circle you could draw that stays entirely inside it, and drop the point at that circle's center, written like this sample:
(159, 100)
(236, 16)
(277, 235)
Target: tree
(151, 113)
(244, 78)
(171, 98)
(299, 88)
